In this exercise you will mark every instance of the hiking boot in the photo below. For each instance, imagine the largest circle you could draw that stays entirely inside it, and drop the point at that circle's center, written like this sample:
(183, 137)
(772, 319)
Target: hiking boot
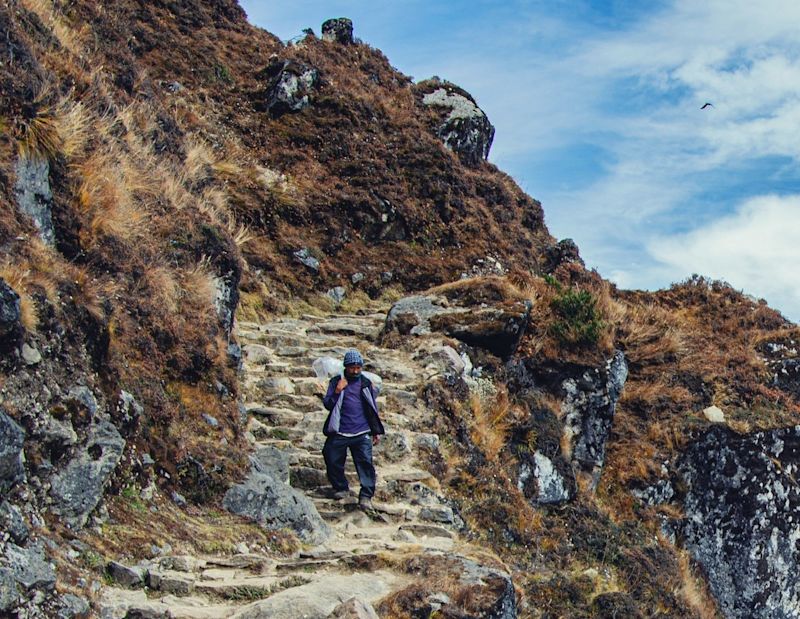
(340, 494)
(365, 503)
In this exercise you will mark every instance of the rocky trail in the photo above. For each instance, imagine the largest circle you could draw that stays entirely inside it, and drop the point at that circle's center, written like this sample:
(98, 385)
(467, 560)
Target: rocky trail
(349, 552)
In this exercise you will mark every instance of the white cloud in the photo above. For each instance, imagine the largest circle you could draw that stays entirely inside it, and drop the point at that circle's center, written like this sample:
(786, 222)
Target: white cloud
(755, 249)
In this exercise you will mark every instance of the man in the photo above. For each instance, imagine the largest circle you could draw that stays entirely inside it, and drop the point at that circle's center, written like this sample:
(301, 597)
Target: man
(353, 423)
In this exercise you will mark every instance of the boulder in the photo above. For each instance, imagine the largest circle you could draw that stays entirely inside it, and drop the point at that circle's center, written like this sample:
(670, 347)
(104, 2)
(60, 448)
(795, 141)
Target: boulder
(33, 194)
(30, 567)
(11, 520)
(30, 355)
(563, 252)
(464, 127)
(589, 404)
(446, 360)
(9, 594)
(275, 505)
(130, 577)
(12, 439)
(73, 607)
(78, 488)
(290, 85)
(481, 312)
(742, 518)
(338, 30)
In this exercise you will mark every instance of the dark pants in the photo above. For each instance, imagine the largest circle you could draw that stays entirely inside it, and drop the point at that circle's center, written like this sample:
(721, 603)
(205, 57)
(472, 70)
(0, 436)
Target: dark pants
(335, 454)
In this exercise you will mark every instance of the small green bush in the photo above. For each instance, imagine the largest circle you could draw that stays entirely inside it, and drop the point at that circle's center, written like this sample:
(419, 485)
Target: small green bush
(579, 322)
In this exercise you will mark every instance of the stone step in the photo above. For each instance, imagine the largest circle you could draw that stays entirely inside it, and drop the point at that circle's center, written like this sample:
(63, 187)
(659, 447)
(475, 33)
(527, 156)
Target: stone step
(275, 415)
(300, 403)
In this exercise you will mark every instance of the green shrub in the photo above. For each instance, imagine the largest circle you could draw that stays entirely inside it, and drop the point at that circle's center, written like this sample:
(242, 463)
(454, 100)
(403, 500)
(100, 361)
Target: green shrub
(578, 322)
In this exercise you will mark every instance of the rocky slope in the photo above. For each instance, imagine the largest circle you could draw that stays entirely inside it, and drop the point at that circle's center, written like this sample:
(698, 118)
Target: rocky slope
(177, 184)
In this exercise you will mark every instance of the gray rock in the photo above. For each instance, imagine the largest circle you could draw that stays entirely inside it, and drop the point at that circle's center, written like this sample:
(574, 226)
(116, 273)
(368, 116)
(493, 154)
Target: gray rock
(441, 513)
(11, 520)
(235, 355)
(589, 406)
(290, 87)
(553, 487)
(12, 439)
(10, 326)
(34, 196)
(354, 608)
(426, 441)
(304, 257)
(9, 594)
(73, 607)
(212, 421)
(29, 566)
(357, 277)
(742, 521)
(128, 409)
(130, 577)
(274, 505)
(272, 461)
(465, 130)
(178, 499)
(83, 397)
(30, 355)
(338, 30)
(337, 294)
(226, 298)
(77, 489)
(446, 360)
(386, 277)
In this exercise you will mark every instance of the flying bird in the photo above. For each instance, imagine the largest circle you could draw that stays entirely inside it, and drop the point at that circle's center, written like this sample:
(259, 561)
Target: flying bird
(707, 104)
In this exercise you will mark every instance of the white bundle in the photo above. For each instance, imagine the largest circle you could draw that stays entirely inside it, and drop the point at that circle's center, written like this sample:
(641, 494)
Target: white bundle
(327, 367)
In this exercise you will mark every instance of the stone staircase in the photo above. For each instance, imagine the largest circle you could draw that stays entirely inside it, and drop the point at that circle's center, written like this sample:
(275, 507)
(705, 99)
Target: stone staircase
(284, 405)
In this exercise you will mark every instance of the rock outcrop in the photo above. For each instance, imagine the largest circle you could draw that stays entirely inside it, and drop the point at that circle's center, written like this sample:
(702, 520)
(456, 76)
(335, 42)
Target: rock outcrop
(77, 489)
(464, 127)
(742, 519)
(290, 86)
(589, 405)
(34, 196)
(338, 30)
(478, 312)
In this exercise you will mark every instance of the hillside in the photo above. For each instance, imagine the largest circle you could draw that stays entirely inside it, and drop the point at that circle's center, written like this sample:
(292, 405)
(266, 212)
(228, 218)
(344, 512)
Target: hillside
(170, 173)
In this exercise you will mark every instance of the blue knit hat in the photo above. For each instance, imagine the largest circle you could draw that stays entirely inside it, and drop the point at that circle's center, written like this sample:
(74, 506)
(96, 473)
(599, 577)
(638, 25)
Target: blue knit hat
(353, 357)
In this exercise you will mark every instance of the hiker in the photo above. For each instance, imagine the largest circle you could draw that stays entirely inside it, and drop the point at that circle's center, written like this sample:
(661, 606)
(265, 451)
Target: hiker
(352, 423)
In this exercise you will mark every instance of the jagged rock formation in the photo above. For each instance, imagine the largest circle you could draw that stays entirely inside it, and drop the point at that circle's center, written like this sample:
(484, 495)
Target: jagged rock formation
(742, 523)
(464, 128)
(338, 30)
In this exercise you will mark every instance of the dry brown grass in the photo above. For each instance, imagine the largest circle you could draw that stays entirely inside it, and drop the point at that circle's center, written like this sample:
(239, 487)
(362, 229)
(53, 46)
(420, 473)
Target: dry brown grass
(694, 590)
(490, 423)
(68, 36)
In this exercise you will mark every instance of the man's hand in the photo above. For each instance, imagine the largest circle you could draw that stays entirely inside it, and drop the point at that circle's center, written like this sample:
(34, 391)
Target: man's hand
(341, 385)
(376, 438)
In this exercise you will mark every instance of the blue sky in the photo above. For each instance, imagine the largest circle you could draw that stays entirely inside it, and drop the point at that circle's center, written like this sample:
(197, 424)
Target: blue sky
(597, 111)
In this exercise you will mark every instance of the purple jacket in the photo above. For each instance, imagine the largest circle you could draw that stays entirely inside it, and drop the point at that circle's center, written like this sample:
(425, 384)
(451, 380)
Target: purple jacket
(333, 403)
